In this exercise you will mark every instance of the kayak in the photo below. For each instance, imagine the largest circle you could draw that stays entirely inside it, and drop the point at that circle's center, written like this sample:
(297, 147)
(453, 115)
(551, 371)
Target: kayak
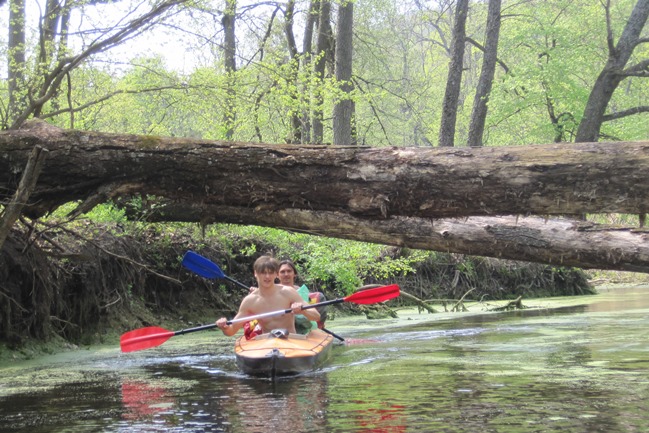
(280, 353)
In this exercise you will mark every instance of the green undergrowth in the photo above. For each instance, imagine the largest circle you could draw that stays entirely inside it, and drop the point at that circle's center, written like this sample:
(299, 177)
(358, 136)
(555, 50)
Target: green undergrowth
(88, 280)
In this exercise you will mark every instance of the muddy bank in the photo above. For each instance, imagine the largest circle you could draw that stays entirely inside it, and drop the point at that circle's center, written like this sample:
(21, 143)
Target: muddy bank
(89, 285)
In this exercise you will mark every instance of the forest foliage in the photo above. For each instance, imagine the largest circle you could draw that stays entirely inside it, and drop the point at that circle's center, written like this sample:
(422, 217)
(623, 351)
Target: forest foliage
(169, 78)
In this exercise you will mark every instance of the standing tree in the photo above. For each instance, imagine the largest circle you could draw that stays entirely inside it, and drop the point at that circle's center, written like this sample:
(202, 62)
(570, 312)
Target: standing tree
(614, 72)
(16, 62)
(230, 65)
(344, 107)
(36, 83)
(323, 51)
(295, 133)
(454, 80)
(479, 115)
(307, 52)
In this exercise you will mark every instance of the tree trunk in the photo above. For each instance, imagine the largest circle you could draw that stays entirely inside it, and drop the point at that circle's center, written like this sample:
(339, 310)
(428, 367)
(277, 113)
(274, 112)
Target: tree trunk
(344, 107)
(454, 80)
(323, 48)
(307, 51)
(387, 195)
(479, 115)
(612, 74)
(16, 61)
(559, 242)
(295, 135)
(230, 65)
(369, 182)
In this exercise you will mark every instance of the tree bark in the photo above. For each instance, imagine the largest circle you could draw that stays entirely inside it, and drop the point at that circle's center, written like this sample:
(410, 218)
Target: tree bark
(323, 49)
(344, 107)
(398, 196)
(368, 182)
(28, 180)
(454, 80)
(230, 65)
(479, 114)
(559, 242)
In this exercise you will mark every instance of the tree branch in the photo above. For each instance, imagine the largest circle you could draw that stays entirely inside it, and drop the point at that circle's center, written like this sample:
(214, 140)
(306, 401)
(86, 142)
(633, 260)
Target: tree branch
(27, 184)
(625, 113)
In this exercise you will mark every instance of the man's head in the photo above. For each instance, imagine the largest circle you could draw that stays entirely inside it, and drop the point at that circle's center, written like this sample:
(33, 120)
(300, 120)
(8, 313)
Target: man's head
(266, 264)
(287, 272)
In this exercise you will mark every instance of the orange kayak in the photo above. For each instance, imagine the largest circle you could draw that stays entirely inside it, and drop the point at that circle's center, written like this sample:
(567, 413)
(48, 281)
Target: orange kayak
(279, 353)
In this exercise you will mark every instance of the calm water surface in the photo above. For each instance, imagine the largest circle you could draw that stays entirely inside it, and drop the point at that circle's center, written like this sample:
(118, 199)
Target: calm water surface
(569, 365)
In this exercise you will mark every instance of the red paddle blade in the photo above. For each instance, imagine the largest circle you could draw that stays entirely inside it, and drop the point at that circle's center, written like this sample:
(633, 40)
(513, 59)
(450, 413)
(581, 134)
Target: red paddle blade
(144, 338)
(372, 296)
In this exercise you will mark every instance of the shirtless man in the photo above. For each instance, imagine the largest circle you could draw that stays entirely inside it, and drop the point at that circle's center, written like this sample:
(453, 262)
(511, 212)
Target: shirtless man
(269, 297)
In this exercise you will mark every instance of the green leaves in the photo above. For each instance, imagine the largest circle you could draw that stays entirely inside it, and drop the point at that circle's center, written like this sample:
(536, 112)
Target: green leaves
(322, 262)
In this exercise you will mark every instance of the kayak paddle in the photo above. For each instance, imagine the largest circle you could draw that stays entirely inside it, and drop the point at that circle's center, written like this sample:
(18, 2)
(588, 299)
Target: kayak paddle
(153, 336)
(206, 268)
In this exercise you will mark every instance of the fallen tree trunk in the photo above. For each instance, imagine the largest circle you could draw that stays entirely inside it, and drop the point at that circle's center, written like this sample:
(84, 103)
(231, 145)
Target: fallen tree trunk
(368, 182)
(394, 196)
(561, 242)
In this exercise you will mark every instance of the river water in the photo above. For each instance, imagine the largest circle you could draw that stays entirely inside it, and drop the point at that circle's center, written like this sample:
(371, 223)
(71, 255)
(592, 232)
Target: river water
(564, 364)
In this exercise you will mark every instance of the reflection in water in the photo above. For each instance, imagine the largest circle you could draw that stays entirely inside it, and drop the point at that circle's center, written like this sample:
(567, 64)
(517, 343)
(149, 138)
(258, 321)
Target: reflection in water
(142, 400)
(577, 369)
(284, 406)
(225, 402)
(391, 419)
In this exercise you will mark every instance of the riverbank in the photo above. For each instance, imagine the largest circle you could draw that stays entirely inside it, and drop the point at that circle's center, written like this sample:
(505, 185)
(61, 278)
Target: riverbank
(117, 277)
(194, 315)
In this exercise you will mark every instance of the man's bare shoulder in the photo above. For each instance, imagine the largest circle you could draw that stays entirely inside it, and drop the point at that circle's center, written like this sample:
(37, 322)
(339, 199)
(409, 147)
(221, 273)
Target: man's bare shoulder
(290, 293)
(251, 297)
(286, 289)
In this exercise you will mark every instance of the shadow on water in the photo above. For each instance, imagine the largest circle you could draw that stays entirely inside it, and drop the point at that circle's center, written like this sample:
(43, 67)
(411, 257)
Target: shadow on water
(576, 368)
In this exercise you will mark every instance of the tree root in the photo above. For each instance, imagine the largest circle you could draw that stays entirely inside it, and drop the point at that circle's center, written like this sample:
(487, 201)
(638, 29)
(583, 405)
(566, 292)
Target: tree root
(421, 304)
(516, 304)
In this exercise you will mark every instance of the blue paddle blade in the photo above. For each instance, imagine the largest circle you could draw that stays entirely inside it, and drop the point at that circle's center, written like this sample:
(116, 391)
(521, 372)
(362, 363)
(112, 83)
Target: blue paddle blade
(202, 266)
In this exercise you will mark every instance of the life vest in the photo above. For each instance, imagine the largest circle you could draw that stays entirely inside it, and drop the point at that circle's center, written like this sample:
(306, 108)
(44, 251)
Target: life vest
(314, 298)
(252, 329)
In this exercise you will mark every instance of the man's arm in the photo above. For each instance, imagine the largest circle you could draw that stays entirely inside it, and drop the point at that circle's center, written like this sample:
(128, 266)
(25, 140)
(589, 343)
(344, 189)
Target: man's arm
(296, 305)
(228, 330)
(232, 329)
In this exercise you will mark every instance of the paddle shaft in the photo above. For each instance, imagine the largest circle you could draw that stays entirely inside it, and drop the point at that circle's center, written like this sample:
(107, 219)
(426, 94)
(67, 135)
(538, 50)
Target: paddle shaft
(145, 338)
(281, 312)
(170, 334)
(369, 296)
(196, 329)
(238, 283)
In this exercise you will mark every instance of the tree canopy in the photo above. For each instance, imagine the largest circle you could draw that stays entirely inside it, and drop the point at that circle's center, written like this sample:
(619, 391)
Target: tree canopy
(249, 79)
(369, 72)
